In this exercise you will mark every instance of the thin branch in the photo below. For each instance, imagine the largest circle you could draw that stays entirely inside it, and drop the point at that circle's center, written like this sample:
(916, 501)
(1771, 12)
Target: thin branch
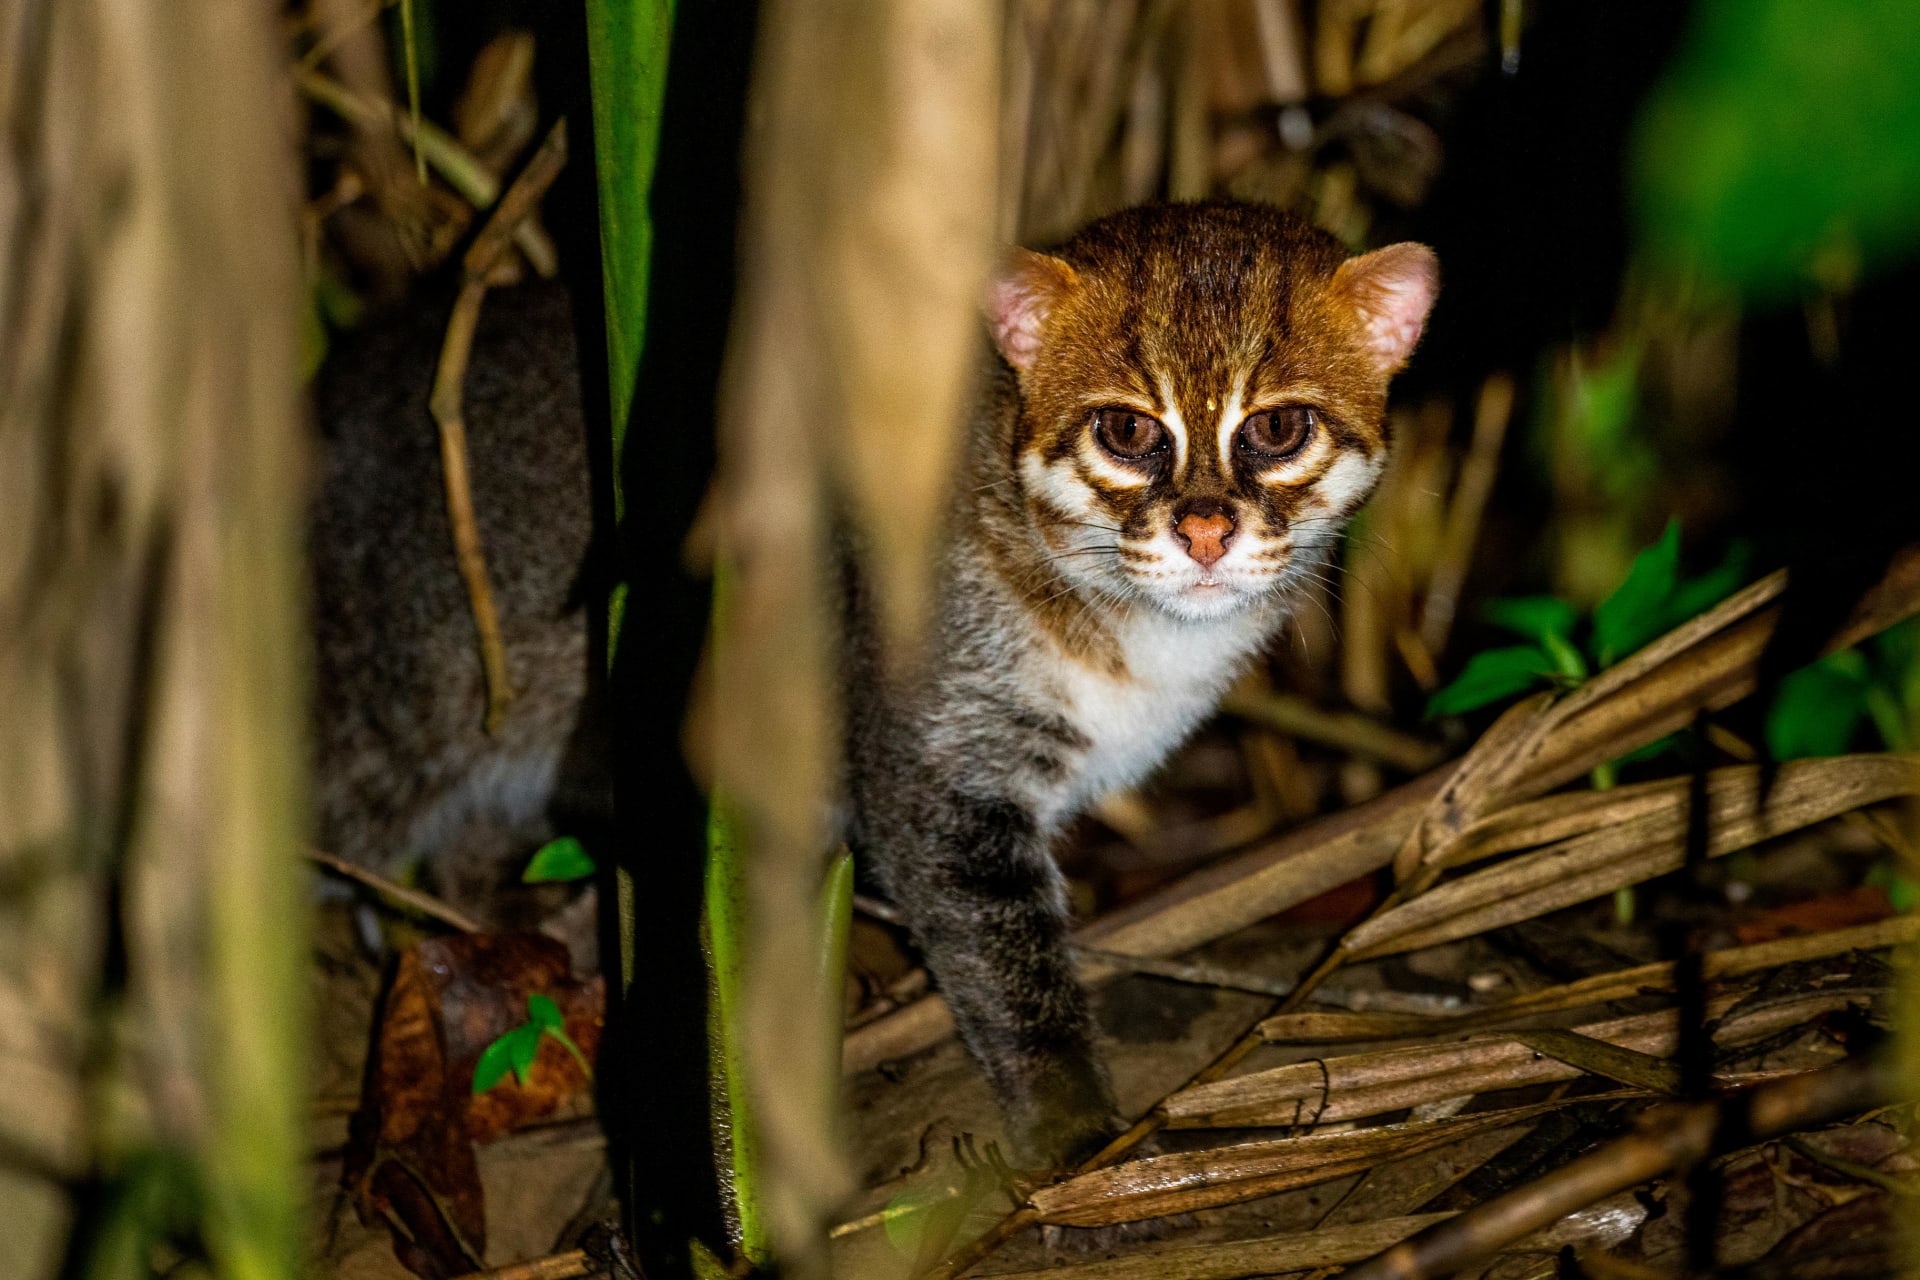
(449, 414)
(1465, 513)
(398, 895)
(1351, 731)
(571, 1265)
(1193, 973)
(461, 168)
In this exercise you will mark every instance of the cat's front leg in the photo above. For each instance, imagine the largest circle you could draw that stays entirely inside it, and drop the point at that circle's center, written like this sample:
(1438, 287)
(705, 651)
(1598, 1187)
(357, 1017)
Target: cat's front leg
(988, 908)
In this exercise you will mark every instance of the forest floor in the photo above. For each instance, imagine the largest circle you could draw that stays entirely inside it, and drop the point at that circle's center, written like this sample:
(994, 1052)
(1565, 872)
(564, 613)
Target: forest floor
(1247, 1197)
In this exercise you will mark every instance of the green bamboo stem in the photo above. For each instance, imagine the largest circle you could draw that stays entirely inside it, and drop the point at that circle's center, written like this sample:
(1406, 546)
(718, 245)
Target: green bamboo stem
(627, 47)
(627, 42)
(727, 935)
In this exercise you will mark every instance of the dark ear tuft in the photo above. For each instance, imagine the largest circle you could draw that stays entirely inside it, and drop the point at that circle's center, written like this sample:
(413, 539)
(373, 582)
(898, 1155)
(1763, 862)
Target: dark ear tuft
(1021, 297)
(1391, 289)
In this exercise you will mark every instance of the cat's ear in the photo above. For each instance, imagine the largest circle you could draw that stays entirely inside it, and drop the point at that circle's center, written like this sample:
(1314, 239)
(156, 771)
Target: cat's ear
(1022, 295)
(1391, 290)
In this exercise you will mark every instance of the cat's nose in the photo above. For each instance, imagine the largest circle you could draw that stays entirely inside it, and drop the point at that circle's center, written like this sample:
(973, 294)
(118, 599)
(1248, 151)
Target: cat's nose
(1206, 528)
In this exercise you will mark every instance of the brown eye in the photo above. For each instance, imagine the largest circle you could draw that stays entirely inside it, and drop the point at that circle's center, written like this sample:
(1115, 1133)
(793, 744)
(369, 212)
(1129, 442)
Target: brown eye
(1128, 435)
(1276, 433)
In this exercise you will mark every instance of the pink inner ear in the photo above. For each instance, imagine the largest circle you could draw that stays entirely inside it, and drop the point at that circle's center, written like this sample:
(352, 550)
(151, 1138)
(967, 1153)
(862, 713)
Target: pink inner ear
(1019, 301)
(1392, 289)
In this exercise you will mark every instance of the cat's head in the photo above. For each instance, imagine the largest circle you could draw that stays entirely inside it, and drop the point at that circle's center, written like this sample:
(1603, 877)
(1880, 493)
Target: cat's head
(1203, 389)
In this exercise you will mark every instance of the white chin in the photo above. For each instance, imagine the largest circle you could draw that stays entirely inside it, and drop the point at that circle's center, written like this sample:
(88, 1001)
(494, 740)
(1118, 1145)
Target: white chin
(1207, 597)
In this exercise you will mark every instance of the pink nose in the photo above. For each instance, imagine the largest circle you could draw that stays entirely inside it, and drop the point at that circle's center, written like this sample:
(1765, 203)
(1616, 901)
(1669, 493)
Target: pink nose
(1206, 537)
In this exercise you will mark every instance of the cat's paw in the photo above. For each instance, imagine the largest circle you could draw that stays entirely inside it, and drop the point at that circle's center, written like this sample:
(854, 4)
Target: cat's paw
(1068, 1139)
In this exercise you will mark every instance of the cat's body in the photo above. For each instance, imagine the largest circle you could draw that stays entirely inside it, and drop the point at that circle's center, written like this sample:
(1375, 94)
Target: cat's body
(404, 767)
(1184, 407)
(1187, 407)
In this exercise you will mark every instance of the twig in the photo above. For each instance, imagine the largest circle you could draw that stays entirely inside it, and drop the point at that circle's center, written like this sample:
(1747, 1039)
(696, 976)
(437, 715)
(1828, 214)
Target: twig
(1189, 1181)
(329, 40)
(1012, 1224)
(449, 414)
(1266, 1255)
(461, 168)
(1346, 730)
(465, 172)
(571, 1265)
(399, 895)
(1907, 1186)
(1321, 1027)
(1465, 513)
(1192, 973)
(875, 909)
(1668, 1138)
(1356, 1085)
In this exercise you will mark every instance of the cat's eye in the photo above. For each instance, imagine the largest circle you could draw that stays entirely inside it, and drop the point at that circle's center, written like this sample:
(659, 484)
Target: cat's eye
(1276, 433)
(1129, 435)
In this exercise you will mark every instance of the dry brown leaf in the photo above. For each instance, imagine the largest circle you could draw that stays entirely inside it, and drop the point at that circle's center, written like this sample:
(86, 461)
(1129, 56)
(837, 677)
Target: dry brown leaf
(411, 1163)
(1352, 1086)
(1189, 1180)
(1625, 853)
(1268, 1255)
(1481, 776)
(1326, 1027)
(1608, 1061)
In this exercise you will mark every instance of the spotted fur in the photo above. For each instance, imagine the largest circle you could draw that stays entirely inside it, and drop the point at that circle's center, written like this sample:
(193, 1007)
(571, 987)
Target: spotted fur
(1078, 638)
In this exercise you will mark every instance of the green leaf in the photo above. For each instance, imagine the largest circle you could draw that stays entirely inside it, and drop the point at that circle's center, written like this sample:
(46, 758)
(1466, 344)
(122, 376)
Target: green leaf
(1567, 662)
(1896, 677)
(1818, 708)
(514, 1050)
(562, 859)
(1535, 617)
(524, 1048)
(1632, 615)
(627, 45)
(902, 1221)
(1649, 750)
(1901, 892)
(1695, 596)
(1490, 676)
(544, 1013)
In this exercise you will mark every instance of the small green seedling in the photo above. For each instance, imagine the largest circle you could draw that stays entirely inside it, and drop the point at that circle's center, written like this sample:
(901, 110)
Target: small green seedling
(559, 860)
(1563, 653)
(1821, 708)
(516, 1050)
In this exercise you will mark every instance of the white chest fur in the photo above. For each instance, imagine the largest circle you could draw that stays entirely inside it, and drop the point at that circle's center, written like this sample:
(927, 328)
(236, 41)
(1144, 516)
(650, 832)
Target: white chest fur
(1177, 671)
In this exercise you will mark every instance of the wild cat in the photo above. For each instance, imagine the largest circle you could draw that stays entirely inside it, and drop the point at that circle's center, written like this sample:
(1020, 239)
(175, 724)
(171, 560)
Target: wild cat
(1179, 410)
(1186, 405)
(404, 769)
